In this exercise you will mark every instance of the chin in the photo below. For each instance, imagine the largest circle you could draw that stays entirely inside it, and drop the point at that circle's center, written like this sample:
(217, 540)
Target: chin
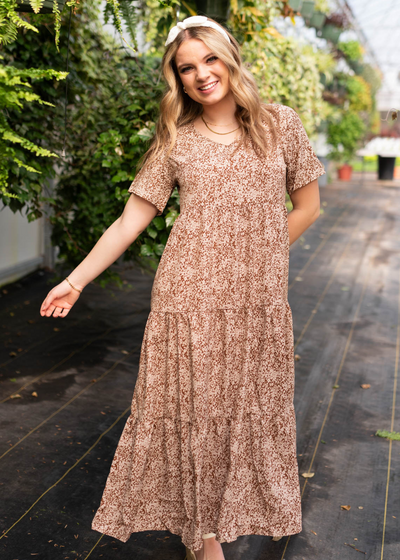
(213, 99)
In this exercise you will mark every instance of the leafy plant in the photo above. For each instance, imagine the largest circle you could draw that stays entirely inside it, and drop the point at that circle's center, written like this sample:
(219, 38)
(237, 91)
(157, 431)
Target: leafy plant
(16, 149)
(388, 435)
(344, 136)
(113, 102)
(10, 22)
(351, 49)
(287, 72)
(358, 94)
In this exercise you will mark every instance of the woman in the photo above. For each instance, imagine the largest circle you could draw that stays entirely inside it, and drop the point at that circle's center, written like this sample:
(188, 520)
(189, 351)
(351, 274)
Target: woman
(209, 450)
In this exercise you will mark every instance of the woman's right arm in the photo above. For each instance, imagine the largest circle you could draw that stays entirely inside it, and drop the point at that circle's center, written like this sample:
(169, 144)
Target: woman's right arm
(137, 215)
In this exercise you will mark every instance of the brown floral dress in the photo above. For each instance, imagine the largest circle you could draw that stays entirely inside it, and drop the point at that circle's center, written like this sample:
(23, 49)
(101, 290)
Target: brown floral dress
(210, 445)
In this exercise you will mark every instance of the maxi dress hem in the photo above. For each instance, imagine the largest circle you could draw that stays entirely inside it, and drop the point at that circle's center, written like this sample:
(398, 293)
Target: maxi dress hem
(123, 534)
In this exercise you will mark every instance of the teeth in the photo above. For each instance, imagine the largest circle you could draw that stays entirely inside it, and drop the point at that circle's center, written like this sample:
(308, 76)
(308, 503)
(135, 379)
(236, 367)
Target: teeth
(207, 87)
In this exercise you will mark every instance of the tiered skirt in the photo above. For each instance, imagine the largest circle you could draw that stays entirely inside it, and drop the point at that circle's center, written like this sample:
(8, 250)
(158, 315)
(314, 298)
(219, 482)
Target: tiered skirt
(210, 444)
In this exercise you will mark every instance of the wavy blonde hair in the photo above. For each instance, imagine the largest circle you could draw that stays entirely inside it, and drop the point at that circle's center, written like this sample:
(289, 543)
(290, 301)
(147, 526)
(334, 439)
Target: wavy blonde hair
(177, 108)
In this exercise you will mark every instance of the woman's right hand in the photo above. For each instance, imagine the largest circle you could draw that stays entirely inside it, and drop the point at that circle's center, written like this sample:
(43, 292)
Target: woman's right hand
(59, 300)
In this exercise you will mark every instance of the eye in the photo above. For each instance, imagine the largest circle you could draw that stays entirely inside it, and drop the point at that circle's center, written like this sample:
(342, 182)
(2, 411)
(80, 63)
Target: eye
(212, 58)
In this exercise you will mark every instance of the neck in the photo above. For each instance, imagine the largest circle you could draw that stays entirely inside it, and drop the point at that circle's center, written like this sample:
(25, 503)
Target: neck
(222, 112)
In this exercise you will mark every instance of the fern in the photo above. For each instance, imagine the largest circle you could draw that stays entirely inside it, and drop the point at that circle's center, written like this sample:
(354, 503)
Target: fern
(57, 23)
(10, 22)
(36, 5)
(125, 11)
(14, 93)
(130, 18)
(15, 88)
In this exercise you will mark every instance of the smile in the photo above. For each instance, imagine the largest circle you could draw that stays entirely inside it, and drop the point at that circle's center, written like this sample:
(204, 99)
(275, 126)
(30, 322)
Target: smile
(208, 87)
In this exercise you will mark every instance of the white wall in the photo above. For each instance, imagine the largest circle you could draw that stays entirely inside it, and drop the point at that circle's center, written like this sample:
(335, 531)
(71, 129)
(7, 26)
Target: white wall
(21, 245)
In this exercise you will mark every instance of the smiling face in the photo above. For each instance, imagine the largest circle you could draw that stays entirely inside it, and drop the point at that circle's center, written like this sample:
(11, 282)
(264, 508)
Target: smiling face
(204, 76)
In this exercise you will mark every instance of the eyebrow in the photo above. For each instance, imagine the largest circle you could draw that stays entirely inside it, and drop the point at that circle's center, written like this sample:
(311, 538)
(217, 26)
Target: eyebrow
(188, 63)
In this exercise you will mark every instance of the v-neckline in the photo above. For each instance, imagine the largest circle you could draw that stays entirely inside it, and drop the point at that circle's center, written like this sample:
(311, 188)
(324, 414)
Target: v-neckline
(198, 133)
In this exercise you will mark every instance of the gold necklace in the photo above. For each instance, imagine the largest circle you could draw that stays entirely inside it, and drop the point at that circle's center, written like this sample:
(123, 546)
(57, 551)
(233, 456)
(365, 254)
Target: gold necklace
(214, 124)
(221, 133)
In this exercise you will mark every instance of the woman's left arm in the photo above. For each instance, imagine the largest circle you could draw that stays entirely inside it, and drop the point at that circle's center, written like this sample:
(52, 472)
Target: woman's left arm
(306, 209)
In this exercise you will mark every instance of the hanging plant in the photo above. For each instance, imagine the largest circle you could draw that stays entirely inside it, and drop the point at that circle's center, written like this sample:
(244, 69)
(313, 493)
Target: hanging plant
(18, 152)
(351, 49)
(44, 6)
(307, 9)
(317, 20)
(330, 33)
(56, 7)
(338, 19)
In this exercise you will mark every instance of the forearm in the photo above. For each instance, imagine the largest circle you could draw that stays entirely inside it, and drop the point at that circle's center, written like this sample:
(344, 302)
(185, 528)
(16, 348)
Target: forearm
(114, 241)
(299, 220)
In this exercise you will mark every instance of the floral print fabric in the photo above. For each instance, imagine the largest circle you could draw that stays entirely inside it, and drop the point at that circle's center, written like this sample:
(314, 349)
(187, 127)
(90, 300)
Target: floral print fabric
(210, 444)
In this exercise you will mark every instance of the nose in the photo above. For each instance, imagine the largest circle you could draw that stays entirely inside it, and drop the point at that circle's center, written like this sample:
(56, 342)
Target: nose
(203, 73)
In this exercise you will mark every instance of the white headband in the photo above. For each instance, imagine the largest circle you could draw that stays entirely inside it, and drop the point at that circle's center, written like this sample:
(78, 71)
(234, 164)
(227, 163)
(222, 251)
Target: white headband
(193, 21)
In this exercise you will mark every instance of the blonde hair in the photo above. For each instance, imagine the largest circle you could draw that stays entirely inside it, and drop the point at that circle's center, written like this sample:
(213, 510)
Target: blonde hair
(177, 108)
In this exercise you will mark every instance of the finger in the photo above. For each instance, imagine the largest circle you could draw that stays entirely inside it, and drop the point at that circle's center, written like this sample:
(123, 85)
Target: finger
(43, 307)
(57, 311)
(50, 310)
(64, 313)
(49, 298)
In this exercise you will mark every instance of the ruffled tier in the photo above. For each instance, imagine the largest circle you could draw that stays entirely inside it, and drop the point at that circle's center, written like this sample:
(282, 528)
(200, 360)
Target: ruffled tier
(224, 256)
(210, 445)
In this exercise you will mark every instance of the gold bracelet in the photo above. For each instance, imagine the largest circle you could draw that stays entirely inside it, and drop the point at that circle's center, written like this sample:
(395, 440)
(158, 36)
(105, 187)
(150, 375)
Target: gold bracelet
(80, 291)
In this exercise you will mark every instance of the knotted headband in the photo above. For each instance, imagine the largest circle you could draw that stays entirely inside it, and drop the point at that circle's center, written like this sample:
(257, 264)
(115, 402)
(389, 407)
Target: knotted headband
(193, 21)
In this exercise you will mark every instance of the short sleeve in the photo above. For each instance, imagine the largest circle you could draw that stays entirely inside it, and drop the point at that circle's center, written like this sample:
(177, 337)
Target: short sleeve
(155, 182)
(302, 164)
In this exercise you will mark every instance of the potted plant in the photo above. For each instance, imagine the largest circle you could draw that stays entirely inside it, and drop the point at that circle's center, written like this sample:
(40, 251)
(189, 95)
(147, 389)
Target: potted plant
(331, 32)
(334, 25)
(317, 20)
(307, 9)
(344, 136)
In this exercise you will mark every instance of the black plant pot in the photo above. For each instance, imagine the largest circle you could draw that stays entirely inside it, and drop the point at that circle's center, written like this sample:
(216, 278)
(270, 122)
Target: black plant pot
(47, 8)
(386, 168)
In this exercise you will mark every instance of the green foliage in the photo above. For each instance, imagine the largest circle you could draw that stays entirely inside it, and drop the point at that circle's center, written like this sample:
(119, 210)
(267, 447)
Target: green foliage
(351, 49)
(344, 136)
(286, 72)
(10, 22)
(353, 114)
(127, 12)
(16, 92)
(36, 5)
(159, 16)
(113, 103)
(373, 77)
(388, 435)
(358, 94)
(251, 19)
